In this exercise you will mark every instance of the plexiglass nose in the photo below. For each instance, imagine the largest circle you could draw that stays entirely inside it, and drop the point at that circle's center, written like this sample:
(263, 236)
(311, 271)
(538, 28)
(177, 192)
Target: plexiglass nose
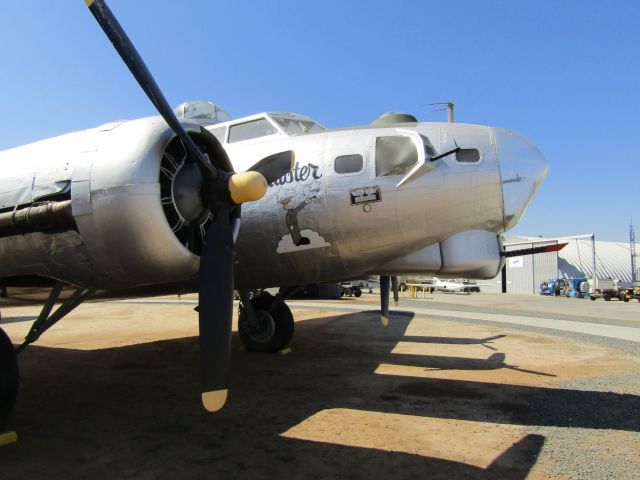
(522, 168)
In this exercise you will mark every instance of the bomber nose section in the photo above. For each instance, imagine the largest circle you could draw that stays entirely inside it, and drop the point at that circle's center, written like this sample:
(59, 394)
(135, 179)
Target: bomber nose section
(522, 169)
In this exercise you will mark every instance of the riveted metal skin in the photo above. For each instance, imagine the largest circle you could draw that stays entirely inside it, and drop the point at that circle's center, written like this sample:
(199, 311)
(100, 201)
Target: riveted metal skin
(123, 240)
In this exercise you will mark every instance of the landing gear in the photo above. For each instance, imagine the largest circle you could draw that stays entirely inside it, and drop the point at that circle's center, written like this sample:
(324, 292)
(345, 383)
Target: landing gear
(8, 378)
(9, 354)
(265, 323)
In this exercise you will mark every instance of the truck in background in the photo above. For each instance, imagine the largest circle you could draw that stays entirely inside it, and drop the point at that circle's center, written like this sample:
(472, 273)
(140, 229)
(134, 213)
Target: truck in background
(609, 288)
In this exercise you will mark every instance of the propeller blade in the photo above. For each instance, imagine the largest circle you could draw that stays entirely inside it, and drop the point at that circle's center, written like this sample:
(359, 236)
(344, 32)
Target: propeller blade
(242, 187)
(534, 250)
(384, 300)
(139, 70)
(394, 288)
(275, 166)
(216, 310)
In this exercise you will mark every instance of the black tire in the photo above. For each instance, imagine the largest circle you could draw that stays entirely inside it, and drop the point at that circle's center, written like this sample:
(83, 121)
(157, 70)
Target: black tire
(275, 328)
(606, 297)
(348, 292)
(8, 378)
(357, 292)
(402, 287)
(593, 298)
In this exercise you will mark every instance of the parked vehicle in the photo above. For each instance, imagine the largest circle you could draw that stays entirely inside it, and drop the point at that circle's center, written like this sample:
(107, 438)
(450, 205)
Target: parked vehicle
(566, 287)
(347, 289)
(609, 288)
(631, 293)
(576, 287)
(548, 287)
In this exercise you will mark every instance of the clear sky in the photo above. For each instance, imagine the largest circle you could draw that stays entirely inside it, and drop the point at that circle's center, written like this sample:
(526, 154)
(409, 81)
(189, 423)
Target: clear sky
(564, 73)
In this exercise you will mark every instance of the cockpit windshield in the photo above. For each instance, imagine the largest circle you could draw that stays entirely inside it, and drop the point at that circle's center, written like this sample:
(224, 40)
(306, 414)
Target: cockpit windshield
(296, 125)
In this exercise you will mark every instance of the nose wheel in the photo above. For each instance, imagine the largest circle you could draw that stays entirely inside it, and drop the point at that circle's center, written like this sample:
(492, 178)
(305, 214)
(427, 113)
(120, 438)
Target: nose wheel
(265, 324)
(8, 378)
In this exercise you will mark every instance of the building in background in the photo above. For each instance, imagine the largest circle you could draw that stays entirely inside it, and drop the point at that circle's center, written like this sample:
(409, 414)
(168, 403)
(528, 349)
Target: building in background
(525, 274)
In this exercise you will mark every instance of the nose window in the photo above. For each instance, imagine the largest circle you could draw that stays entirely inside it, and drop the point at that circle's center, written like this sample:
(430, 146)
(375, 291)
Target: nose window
(394, 155)
(468, 155)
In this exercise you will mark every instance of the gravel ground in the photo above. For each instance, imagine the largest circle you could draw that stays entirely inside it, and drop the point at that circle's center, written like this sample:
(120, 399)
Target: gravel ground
(111, 392)
(599, 451)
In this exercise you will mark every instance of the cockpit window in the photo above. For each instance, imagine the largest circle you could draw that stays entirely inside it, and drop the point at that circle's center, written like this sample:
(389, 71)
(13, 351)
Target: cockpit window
(429, 151)
(394, 155)
(468, 155)
(248, 130)
(349, 163)
(297, 126)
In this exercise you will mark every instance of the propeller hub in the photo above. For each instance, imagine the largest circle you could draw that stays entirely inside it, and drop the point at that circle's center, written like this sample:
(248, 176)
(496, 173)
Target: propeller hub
(247, 187)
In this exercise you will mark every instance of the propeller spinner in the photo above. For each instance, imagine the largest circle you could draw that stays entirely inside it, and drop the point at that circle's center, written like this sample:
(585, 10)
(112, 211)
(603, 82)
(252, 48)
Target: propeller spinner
(222, 191)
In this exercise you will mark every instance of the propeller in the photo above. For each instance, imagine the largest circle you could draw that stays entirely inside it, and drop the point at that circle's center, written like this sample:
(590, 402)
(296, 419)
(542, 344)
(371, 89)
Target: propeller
(222, 191)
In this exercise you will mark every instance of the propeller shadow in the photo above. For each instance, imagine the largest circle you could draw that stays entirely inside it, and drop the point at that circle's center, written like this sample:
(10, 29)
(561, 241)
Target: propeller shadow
(437, 362)
(455, 340)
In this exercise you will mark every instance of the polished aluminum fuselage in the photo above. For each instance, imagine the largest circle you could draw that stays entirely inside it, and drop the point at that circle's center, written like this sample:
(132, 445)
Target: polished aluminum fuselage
(445, 220)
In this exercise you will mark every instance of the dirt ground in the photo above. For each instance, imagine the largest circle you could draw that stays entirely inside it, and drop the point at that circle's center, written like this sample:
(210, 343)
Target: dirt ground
(113, 392)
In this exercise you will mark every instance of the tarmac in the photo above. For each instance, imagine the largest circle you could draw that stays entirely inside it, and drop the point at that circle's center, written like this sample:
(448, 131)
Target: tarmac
(457, 386)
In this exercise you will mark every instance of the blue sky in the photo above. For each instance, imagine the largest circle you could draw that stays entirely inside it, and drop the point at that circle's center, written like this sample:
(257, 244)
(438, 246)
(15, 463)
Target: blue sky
(565, 74)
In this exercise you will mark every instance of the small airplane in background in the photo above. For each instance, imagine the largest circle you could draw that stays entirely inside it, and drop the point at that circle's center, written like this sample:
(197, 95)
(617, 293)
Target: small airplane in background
(154, 206)
(435, 284)
(453, 286)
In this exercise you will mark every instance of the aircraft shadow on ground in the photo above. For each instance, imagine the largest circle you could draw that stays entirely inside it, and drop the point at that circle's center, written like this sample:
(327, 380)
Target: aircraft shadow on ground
(135, 409)
(17, 319)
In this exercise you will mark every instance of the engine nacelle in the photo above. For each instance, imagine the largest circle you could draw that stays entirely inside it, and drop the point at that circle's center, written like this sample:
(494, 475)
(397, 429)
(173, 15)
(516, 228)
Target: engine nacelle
(129, 233)
(471, 254)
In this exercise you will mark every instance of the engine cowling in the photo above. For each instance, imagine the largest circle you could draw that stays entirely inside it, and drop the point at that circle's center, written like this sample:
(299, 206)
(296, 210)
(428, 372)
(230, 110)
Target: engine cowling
(129, 211)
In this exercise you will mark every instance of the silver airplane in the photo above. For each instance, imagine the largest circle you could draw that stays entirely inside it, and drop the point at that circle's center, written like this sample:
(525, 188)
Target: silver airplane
(152, 206)
(440, 285)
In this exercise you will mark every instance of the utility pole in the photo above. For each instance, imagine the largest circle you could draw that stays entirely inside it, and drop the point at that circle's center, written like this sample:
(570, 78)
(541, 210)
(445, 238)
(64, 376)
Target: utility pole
(448, 108)
(595, 274)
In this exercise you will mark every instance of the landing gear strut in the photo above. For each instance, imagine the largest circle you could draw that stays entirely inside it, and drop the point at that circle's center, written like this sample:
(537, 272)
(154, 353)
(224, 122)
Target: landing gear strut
(8, 378)
(265, 322)
(9, 354)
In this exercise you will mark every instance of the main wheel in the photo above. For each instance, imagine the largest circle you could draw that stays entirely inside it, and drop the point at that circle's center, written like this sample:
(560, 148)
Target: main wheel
(357, 292)
(8, 378)
(274, 328)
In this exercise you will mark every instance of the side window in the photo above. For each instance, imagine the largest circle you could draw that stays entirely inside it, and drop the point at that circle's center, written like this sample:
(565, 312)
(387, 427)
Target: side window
(394, 155)
(468, 155)
(220, 133)
(249, 130)
(349, 163)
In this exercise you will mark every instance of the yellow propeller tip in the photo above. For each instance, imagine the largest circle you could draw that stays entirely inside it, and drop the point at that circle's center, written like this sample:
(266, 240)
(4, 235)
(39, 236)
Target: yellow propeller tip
(88, 3)
(214, 400)
(247, 187)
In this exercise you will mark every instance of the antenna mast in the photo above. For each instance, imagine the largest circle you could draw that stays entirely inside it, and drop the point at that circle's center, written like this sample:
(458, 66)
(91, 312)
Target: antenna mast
(448, 108)
(632, 248)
